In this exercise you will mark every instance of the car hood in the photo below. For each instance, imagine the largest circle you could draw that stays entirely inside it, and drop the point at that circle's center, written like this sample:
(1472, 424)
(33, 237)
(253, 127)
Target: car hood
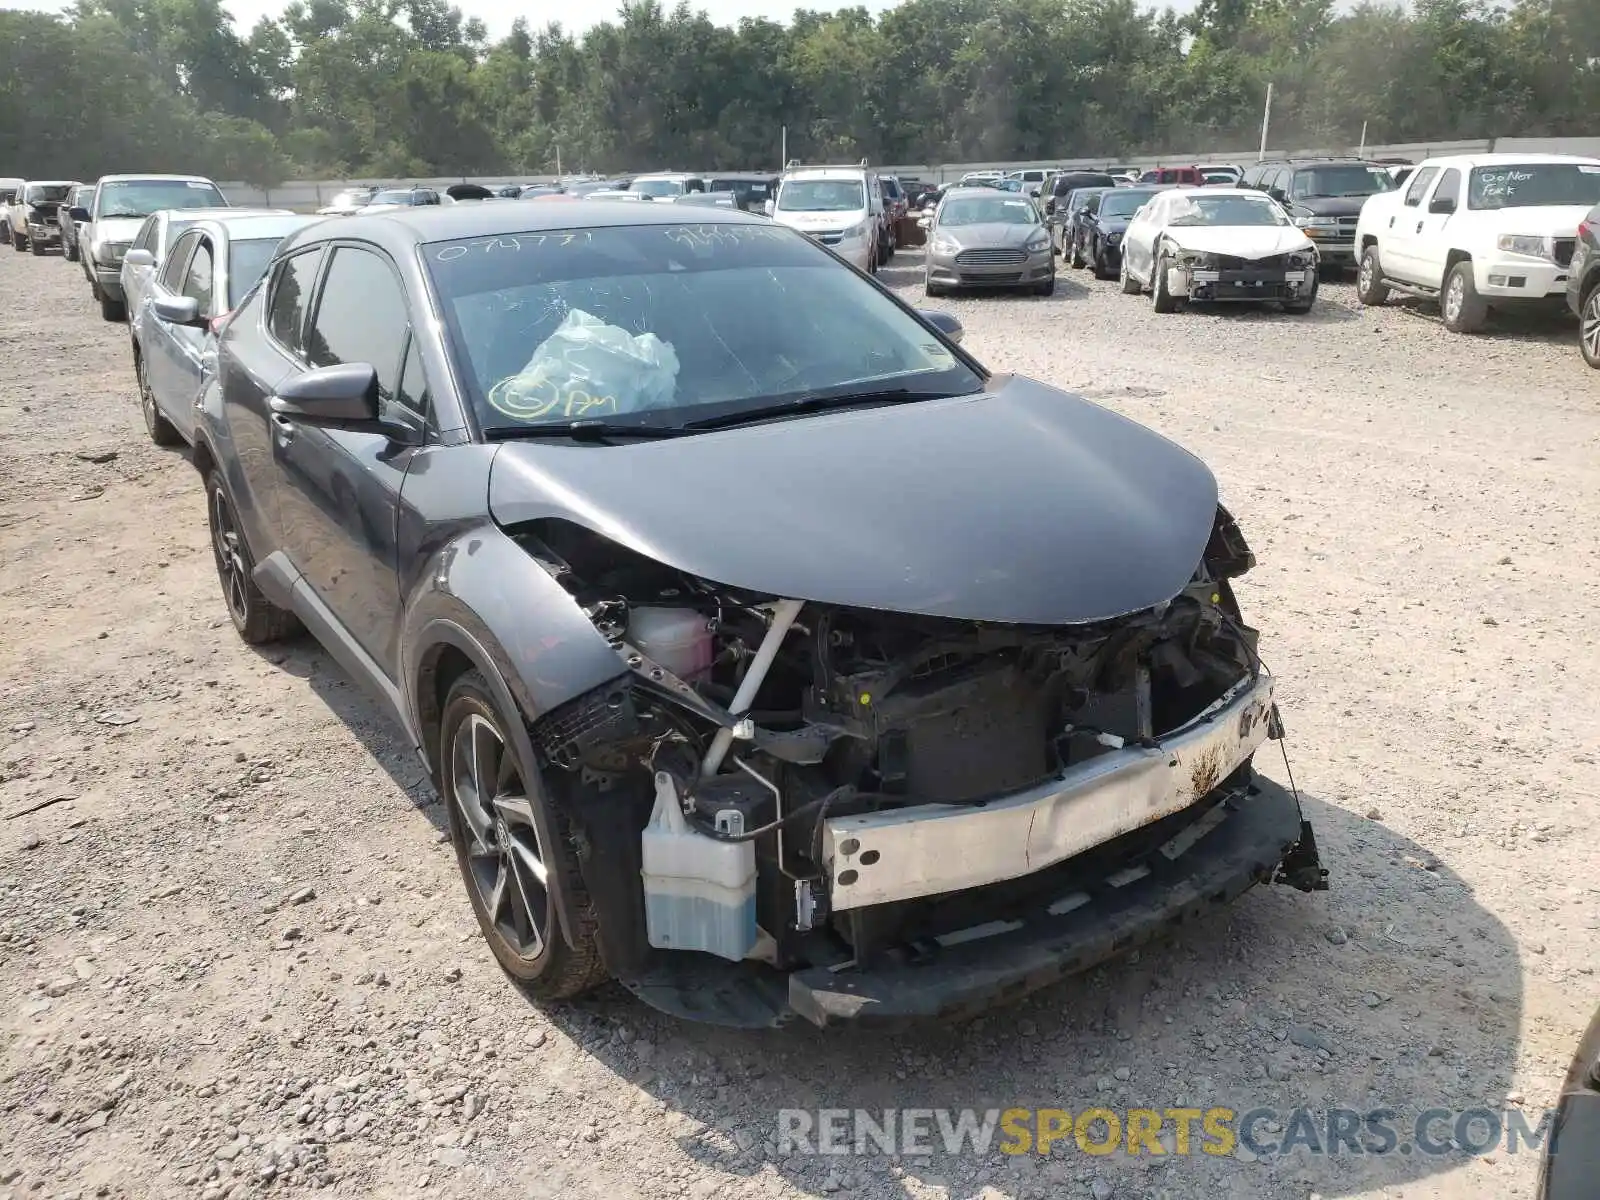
(1241, 241)
(970, 237)
(1020, 504)
(1552, 220)
(117, 229)
(1329, 206)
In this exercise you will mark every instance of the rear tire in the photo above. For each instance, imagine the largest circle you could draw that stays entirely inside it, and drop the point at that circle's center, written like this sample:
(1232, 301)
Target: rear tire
(1464, 311)
(111, 310)
(1369, 279)
(514, 849)
(1130, 285)
(70, 253)
(257, 619)
(19, 242)
(162, 431)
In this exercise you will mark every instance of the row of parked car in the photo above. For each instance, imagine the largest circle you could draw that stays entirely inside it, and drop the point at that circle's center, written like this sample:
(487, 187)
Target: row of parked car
(1476, 233)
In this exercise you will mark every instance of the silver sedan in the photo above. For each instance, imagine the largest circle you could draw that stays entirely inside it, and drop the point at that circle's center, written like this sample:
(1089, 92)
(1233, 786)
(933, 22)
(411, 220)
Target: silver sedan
(981, 237)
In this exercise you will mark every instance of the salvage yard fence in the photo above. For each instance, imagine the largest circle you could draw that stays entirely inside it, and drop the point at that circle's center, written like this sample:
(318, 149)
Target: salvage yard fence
(306, 195)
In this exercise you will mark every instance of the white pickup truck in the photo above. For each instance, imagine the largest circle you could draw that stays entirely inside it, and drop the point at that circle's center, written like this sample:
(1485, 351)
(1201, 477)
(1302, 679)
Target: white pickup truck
(1477, 232)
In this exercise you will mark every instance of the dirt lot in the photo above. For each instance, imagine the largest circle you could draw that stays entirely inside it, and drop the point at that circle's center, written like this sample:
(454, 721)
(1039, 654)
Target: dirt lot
(235, 956)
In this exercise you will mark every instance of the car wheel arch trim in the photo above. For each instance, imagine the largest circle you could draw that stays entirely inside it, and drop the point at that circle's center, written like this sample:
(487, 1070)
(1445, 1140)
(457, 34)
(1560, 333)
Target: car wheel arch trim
(433, 637)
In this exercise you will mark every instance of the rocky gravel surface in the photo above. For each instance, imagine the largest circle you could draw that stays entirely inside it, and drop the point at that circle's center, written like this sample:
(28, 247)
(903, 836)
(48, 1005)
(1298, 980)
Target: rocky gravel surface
(236, 960)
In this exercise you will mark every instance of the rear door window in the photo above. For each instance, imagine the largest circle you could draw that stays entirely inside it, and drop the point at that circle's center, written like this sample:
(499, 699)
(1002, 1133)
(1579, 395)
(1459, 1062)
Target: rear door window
(1419, 186)
(288, 298)
(177, 260)
(199, 279)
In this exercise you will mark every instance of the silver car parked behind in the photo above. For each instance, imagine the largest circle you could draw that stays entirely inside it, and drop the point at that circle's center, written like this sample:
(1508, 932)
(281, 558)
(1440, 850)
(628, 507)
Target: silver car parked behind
(148, 253)
(984, 237)
(209, 269)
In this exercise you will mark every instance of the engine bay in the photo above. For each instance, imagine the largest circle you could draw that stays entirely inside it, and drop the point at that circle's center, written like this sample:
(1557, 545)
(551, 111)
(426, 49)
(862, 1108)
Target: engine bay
(699, 782)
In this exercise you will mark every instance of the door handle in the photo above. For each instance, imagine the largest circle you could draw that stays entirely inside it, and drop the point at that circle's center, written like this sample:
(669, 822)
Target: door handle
(1419, 226)
(283, 428)
(1391, 222)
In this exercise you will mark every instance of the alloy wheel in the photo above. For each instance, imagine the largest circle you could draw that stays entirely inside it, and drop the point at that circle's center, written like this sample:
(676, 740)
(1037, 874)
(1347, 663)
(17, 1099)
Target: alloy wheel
(225, 544)
(1590, 327)
(1455, 297)
(147, 402)
(1364, 273)
(505, 861)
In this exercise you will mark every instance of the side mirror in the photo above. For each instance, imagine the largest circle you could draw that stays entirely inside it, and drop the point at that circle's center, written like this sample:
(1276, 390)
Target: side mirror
(946, 323)
(177, 310)
(138, 258)
(925, 221)
(1277, 194)
(768, 207)
(346, 394)
(1442, 204)
(78, 213)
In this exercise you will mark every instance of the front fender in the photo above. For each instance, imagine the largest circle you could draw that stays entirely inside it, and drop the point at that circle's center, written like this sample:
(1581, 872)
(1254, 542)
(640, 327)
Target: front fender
(483, 597)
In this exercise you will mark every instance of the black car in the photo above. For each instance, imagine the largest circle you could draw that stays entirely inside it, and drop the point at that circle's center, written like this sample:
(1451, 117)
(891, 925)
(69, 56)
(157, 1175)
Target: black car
(81, 197)
(1571, 1162)
(1324, 197)
(725, 694)
(1064, 229)
(1583, 286)
(1100, 227)
(751, 190)
(1063, 185)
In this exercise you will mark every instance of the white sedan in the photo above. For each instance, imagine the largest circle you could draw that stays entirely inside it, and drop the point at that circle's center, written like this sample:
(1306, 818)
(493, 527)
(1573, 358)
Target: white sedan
(1218, 244)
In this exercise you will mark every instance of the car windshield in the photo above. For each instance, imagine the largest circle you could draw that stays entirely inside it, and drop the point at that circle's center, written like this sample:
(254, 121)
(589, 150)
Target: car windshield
(247, 263)
(671, 323)
(47, 193)
(1122, 202)
(658, 187)
(350, 199)
(1527, 185)
(985, 210)
(141, 197)
(822, 195)
(1356, 179)
(1225, 210)
(396, 196)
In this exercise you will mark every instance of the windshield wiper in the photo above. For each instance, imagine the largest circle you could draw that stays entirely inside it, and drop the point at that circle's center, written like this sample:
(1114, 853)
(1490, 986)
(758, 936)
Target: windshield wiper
(816, 403)
(583, 431)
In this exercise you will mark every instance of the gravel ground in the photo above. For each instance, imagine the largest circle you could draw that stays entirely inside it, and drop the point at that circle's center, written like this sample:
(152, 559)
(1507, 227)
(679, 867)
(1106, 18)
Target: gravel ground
(235, 957)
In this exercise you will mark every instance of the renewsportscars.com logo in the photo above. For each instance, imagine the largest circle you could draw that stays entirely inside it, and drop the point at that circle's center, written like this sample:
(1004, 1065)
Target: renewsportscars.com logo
(1171, 1131)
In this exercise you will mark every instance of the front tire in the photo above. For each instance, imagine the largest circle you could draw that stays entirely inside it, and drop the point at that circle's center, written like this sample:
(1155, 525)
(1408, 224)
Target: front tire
(513, 849)
(36, 247)
(19, 242)
(1161, 300)
(1303, 305)
(257, 619)
(1047, 288)
(1076, 259)
(1464, 311)
(1369, 279)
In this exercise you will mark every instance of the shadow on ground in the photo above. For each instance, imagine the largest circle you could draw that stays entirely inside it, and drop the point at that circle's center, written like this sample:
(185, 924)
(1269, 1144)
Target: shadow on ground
(1255, 1010)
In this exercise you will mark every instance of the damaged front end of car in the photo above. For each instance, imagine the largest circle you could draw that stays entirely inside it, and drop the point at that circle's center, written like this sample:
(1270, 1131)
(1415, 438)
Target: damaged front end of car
(783, 806)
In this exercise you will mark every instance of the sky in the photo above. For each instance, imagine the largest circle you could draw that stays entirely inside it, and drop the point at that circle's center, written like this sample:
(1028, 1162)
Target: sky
(575, 15)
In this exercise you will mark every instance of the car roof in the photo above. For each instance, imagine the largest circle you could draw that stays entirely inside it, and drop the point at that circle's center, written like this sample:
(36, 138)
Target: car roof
(405, 226)
(1506, 158)
(667, 175)
(248, 226)
(52, 182)
(155, 177)
(826, 173)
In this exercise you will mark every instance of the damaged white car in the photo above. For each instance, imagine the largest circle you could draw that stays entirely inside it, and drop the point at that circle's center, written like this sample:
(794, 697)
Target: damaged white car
(1218, 244)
